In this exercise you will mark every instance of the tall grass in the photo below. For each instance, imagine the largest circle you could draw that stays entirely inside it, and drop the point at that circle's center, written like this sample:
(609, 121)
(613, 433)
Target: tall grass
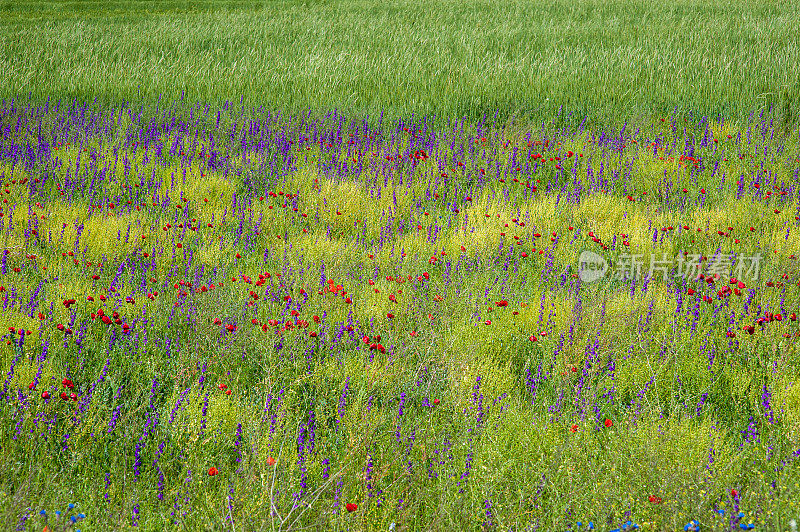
(608, 60)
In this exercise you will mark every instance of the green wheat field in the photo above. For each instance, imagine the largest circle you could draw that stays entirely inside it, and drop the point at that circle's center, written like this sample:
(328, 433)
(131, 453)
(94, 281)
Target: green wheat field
(400, 265)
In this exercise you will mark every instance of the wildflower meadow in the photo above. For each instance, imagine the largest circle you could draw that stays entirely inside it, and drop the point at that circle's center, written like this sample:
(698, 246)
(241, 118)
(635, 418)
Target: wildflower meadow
(434, 265)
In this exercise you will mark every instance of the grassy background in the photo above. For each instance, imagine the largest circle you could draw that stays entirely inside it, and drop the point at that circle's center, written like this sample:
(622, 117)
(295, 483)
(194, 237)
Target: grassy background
(610, 60)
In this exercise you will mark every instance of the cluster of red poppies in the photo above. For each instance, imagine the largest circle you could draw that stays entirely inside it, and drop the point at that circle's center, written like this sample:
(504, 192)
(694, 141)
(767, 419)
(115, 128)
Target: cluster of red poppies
(68, 384)
(335, 289)
(71, 386)
(768, 317)
(373, 343)
(107, 320)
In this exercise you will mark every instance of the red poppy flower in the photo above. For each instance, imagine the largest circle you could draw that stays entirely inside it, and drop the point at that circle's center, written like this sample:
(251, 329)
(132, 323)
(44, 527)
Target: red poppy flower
(63, 396)
(608, 422)
(352, 507)
(45, 395)
(436, 401)
(574, 428)
(690, 291)
(390, 315)
(212, 471)
(271, 461)
(734, 493)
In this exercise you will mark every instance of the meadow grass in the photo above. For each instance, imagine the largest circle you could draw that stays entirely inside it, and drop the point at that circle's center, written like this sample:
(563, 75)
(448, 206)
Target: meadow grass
(266, 267)
(607, 61)
(326, 275)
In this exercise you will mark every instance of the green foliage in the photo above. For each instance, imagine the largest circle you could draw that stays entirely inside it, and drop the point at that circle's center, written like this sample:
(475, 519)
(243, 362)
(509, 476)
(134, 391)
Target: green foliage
(610, 61)
(458, 406)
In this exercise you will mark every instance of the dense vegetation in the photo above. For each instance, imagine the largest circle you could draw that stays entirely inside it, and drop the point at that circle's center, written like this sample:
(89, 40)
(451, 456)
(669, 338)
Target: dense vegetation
(323, 265)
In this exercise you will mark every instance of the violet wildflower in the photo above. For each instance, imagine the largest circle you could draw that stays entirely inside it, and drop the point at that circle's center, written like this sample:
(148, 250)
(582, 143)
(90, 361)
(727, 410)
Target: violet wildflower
(238, 443)
(400, 415)
(701, 403)
(326, 472)
(368, 476)
(342, 401)
(765, 396)
(160, 494)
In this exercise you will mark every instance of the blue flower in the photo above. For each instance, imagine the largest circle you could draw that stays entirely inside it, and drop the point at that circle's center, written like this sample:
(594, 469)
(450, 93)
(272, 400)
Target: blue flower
(751, 526)
(42, 513)
(693, 525)
(71, 506)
